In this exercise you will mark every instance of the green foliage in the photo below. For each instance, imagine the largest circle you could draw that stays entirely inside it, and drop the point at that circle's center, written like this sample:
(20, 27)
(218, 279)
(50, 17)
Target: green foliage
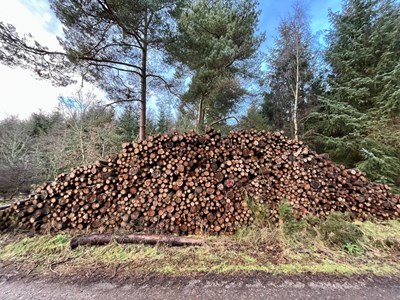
(358, 123)
(151, 122)
(80, 132)
(185, 121)
(165, 120)
(291, 225)
(118, 45)
(215, 41)
(41, 124)
(162, 122)
(254, 119)
(352, 249)
(260, 212)
(128, 123)
(339, 231)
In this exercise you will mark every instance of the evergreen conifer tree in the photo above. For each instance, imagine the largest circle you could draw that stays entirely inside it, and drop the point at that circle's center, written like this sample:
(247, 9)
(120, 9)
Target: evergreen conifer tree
(128, 123)
(359, 120)
(110, 43)
(216, 40)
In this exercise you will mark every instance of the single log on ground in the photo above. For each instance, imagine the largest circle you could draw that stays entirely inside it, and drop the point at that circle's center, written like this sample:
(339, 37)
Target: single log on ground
(4, 207)
(104, 239)
(15, 203)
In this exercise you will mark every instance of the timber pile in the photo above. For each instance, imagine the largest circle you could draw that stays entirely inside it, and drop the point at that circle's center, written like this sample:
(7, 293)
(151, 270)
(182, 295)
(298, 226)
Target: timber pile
(191, 184)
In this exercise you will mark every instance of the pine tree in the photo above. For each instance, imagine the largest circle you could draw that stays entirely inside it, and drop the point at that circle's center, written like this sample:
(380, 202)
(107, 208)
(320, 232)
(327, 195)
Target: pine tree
(359, 121)
(216, 40)
(110, 43)
(254, 119)
(184, 121)
(128, 123)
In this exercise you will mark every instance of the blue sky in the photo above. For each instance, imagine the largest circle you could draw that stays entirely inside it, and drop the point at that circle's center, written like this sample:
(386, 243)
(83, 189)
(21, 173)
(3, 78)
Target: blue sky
(273, 11)
(35, 16)
(39, 8)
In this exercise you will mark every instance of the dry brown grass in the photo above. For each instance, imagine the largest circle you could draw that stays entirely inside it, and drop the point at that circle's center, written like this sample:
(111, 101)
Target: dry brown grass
(289, 247)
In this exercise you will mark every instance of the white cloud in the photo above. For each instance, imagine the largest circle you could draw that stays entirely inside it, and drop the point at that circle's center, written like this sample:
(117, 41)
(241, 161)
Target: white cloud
(21, 93)
(33, 16)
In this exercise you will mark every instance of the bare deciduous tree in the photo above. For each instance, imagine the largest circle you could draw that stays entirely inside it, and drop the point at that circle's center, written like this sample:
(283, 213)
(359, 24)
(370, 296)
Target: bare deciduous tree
(17, 162)
(291, 73)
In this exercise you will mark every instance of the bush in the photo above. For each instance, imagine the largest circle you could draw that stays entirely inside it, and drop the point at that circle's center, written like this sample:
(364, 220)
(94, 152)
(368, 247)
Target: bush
(339, 231)
(290, 224)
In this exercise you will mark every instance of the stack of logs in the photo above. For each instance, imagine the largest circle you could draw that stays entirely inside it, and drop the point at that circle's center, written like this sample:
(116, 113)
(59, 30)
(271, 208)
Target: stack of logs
(192, 184)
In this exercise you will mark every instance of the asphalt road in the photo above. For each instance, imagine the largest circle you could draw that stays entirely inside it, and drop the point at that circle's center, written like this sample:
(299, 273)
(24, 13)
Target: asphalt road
(260, 287)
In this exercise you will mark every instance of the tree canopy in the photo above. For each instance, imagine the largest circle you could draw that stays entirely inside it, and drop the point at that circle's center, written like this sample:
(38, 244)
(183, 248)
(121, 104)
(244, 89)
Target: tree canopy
(108, 42)
(358, 123)
(291, 74)
(216, 41)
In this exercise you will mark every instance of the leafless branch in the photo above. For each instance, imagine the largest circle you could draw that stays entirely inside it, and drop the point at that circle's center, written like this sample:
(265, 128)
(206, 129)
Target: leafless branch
(166, 83)
(122, 101)
(223, 119)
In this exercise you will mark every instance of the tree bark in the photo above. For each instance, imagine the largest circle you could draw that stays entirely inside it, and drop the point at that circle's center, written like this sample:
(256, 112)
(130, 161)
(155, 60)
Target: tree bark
(143, 98)
(296, 96)
(4, 207)
(81, 145)
(197, 185)
(104, 239)
(200, 115)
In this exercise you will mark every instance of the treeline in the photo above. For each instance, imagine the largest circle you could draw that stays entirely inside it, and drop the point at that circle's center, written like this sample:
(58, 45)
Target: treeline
(343, 98)
(80, 131)
(199, 51)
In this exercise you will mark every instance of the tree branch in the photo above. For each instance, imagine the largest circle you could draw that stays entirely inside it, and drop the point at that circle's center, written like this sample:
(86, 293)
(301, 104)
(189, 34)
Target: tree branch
(122, 101)
(223, 119)
(167, 85)
(118, 21)
(20, 44)
(116, 68)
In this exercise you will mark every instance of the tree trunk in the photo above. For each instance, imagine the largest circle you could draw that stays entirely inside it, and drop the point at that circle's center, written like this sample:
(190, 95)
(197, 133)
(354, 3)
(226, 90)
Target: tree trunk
(81, 145)
(143, 98)
(296, 95)
(200, 115)
(104, 239)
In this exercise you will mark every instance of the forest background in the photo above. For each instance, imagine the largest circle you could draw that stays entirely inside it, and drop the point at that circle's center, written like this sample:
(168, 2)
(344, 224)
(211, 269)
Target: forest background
(208, 63)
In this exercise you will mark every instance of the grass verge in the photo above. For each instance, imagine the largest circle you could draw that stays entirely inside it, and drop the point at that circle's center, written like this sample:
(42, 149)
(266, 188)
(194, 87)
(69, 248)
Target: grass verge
(334, 246)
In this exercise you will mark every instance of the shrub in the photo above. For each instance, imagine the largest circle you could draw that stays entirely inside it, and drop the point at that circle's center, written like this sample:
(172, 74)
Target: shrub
(337, 230)
(290, 224)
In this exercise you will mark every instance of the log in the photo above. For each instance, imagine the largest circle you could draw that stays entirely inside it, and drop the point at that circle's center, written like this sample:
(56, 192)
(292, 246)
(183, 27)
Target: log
(17, 202)
(195, 184)
(104, 239)
(4, 207)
